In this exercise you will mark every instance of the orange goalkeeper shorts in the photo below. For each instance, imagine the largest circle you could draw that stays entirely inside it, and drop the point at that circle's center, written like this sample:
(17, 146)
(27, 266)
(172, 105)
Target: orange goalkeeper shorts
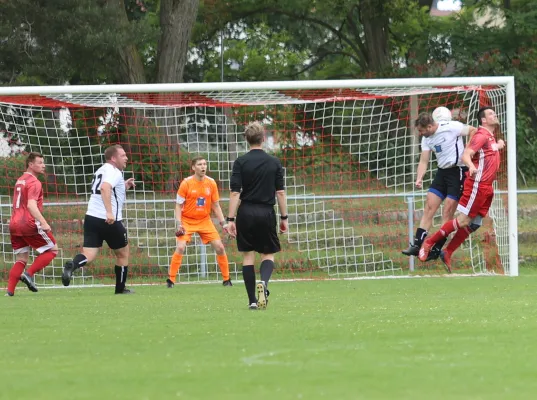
(205, 229)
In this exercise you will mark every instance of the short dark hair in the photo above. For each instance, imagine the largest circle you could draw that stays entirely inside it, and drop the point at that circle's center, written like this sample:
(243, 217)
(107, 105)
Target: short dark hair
(481, 113)
(424, 120)
(254, 133)
(111, 151)
(195, 160)
(31, 157)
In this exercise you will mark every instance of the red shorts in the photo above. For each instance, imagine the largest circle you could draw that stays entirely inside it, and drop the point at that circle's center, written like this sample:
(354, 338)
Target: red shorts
(476, 199)
(40, 242)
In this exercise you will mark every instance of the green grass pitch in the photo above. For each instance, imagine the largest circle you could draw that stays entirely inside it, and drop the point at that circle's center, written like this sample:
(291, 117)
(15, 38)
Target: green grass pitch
(419, 338)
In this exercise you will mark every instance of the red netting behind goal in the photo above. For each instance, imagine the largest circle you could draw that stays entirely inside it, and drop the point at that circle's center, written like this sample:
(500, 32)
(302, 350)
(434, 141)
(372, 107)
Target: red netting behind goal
(350, 158)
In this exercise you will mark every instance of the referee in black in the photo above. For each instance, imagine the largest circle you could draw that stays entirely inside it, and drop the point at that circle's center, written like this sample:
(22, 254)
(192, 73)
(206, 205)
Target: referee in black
(256, 182)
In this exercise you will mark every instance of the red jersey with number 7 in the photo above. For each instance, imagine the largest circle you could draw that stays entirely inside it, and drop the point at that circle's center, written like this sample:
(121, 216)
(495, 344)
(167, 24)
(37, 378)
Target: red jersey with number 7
(22, 223)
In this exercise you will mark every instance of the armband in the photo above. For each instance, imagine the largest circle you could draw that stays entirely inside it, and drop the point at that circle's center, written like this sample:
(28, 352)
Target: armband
(282, 217)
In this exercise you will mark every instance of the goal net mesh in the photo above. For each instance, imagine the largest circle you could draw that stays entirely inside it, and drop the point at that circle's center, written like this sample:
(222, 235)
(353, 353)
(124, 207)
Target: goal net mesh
(350, 159)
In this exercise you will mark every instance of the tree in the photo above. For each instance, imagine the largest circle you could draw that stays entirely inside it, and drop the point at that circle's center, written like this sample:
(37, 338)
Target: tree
(358, 32)
(177, 19)
(507, 49)
(92, 41)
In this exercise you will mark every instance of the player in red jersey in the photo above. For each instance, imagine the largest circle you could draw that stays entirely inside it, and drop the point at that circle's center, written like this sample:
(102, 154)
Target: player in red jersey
(482, 158)
(28, 228)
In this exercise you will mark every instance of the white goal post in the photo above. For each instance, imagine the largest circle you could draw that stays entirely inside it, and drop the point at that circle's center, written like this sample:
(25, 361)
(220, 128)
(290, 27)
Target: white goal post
(349, 148)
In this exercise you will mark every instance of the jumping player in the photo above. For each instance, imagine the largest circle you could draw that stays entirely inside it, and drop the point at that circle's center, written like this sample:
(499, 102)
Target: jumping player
(482, 158)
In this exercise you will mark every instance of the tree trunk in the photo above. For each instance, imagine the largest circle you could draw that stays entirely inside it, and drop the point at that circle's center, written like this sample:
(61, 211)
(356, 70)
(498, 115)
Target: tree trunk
(130, 66)
(376, 40)
(177, 18)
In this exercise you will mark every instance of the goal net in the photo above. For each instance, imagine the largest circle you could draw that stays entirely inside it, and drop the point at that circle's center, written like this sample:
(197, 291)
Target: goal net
(349, 149)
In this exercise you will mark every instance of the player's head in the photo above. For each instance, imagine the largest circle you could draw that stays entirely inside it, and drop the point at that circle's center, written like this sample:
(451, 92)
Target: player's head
(116, 156)
(486, 116)
(199, 166)
(255, 134)
(35, 163)
(425, 124)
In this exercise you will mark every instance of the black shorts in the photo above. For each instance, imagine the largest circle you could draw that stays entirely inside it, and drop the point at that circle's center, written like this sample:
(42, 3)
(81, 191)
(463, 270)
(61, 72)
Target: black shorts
(449, 182)
(96, 230)
(256, 229)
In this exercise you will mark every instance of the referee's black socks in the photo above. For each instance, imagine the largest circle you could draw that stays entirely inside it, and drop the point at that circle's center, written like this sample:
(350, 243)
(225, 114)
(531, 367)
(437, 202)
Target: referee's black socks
(121, 277)
(248, 274)
(267, 266)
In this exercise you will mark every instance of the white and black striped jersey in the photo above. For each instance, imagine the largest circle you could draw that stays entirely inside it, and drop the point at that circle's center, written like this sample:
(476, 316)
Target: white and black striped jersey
(447, 143)
(110, 174)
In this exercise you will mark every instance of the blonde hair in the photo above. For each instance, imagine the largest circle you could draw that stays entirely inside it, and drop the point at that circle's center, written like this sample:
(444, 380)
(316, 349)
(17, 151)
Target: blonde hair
(254, 133)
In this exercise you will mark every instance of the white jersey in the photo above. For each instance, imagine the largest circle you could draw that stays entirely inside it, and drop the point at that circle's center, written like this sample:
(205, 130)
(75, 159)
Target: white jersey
(110, 174)
(447, 143)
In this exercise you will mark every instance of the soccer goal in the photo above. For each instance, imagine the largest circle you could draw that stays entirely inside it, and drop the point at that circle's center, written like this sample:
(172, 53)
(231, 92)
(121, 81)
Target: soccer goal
(349, 149)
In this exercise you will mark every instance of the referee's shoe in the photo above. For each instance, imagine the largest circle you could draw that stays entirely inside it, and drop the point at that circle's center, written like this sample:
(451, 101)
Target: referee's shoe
(262, 294)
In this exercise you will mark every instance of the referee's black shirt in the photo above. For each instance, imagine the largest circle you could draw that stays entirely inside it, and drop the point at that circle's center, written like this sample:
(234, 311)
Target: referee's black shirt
(259, 175)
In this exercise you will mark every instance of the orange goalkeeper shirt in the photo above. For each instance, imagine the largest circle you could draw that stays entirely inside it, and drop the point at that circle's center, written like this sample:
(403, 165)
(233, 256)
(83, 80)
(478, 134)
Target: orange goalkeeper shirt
(197, 198)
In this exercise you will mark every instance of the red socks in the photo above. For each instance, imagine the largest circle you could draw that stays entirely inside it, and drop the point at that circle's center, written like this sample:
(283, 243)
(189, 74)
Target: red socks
(458, 239)
(14, 275)
(41, 261)
(445, 230)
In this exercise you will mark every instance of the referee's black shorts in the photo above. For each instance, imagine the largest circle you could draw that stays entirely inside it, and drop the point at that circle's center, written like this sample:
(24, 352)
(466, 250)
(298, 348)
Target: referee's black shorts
(449, 182)
(96, 230)
(256, 228)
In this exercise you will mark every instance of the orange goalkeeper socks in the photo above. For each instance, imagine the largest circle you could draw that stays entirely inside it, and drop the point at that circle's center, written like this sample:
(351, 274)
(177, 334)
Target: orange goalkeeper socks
(223, 264)
(175, 265)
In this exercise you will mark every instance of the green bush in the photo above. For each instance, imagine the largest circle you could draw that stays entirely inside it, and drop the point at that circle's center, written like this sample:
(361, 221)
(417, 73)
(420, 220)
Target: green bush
(10, 169)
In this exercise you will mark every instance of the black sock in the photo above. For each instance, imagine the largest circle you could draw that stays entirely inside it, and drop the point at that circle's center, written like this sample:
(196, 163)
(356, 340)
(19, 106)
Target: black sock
(121, 278)
(80, 260)
(125, 274)
(248, 274)
(267, 266)
(440, 244)
(421, 234)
